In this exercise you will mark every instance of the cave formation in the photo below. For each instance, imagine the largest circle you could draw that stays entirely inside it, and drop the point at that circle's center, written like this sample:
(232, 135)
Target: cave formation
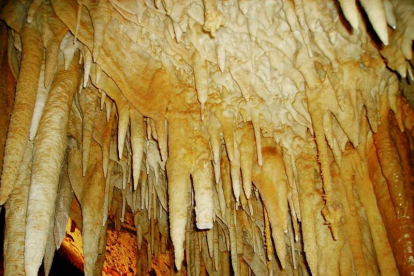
(245, 137)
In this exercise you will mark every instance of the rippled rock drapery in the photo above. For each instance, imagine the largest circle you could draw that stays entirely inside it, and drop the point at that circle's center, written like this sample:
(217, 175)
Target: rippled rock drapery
(246, 136)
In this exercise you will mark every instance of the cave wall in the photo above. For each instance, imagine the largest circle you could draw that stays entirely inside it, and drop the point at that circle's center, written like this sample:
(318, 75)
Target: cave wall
(241, 137)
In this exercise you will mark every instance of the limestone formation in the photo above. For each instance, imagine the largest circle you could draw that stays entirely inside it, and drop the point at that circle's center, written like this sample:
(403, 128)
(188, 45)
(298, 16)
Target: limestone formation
(265, 137)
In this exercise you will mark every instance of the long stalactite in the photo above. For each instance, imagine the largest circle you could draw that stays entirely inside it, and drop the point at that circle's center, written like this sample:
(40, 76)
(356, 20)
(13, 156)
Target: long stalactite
(245, 137)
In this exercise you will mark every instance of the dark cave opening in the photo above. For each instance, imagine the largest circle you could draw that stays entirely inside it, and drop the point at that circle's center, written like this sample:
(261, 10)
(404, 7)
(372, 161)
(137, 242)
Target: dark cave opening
(61, 264)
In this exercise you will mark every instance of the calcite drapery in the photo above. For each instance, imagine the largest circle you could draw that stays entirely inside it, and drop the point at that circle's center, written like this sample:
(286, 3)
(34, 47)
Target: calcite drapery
(236, 120)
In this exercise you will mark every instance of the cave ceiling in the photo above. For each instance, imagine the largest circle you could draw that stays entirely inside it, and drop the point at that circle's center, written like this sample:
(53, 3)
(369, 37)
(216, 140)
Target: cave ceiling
(265, 137)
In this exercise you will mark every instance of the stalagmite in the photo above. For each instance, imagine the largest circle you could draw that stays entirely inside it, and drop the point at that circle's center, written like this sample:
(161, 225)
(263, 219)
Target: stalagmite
(50, 141)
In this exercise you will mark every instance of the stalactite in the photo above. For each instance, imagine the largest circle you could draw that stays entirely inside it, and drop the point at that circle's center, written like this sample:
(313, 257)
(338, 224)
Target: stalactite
(353, 231)
(306, 166)
(389, 217)
(245, 137)
(16, 218)
(22, 110)
(87, 102)
(179, 178)
(270, 179)
(92, 205)
(50, 250)
(63, 202)
(51, 139)
(390, 162)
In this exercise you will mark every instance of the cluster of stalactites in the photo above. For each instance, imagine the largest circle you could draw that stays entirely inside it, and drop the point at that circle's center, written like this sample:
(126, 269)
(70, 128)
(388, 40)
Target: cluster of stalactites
(274, 128)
